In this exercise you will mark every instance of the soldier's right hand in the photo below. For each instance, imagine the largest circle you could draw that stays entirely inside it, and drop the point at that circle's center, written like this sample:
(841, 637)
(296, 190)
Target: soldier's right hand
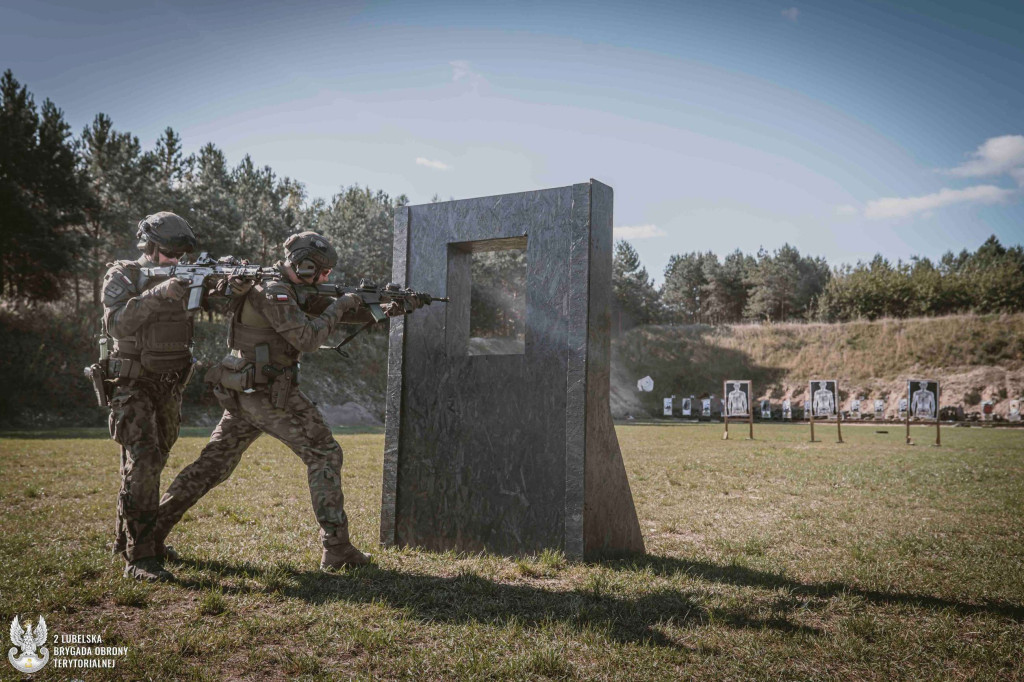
(172, 289)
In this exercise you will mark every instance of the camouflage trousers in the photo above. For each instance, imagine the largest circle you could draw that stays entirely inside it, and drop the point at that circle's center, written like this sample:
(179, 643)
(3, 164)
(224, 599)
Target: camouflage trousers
(299, 425)
(144, 421)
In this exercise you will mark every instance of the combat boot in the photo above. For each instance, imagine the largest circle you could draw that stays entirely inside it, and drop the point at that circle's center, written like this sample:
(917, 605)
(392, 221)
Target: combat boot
(148, 569)
(168, 552)
(339, 552)
(164, 552)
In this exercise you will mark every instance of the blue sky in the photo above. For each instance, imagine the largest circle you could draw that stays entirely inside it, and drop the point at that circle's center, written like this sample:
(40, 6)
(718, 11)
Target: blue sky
(843, 128)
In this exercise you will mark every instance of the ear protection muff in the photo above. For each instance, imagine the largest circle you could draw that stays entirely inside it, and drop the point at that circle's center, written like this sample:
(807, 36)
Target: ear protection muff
(306, 268)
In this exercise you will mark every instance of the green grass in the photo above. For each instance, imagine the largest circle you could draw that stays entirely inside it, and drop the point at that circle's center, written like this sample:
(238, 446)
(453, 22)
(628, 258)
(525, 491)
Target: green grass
(767, 559)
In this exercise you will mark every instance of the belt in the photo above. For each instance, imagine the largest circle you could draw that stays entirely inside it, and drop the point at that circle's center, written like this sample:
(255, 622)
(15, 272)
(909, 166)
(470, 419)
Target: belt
(141, 373)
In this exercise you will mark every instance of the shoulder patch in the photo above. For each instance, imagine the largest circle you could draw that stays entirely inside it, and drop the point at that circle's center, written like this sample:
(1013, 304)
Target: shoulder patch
(117, 281)
(116, 288)
(276, 293)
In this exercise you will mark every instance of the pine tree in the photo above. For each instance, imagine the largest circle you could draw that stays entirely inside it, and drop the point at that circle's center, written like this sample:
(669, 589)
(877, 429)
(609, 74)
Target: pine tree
(683, 290)
(42, 196)
(633, 291)
(119, 177)
(359, 222)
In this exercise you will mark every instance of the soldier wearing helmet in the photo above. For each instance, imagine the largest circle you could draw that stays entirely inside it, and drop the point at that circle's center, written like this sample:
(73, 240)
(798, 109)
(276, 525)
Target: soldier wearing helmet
(151, 362)
(257, 384)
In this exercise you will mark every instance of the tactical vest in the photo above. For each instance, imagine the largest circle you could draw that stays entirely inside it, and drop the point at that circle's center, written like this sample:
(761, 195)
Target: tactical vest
(163, 343)
(256, 340)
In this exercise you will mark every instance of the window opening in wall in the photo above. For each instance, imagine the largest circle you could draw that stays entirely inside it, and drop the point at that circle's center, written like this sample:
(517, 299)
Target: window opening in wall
(497, 312)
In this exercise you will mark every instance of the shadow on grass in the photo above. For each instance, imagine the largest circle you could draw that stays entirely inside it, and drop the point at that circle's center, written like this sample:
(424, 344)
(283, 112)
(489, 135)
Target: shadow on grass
(101, 432)
(742, 576)
(89, 432)
(469, 598)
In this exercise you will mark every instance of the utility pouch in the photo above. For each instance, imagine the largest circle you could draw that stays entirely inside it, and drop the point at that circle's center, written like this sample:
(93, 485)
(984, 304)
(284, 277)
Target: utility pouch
(237, 374)
(168, 336)
(95, 374)
(159, 362)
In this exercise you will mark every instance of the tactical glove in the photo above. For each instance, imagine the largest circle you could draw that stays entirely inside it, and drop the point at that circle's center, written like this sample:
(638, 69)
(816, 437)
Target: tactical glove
(171, 290)
(396, 308)
(239, 287)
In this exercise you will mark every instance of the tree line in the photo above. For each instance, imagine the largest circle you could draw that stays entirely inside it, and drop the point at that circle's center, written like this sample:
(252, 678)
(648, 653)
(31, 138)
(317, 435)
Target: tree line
(70, 203)
(701, 288)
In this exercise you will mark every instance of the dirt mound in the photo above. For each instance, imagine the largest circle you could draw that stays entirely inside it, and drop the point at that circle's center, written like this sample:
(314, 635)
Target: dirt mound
(974, 358)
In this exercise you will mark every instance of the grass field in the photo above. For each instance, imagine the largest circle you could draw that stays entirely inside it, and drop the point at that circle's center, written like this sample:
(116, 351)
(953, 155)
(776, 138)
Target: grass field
(767, 559)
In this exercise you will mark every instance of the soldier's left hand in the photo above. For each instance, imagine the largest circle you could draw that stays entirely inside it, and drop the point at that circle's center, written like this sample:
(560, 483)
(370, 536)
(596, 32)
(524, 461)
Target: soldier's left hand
(415, 303)
(239, 287)
(393, 308)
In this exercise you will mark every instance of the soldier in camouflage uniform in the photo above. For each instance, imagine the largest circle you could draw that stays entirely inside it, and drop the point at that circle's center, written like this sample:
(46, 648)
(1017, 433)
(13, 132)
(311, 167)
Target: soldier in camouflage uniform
(151, 361)
(257, 386)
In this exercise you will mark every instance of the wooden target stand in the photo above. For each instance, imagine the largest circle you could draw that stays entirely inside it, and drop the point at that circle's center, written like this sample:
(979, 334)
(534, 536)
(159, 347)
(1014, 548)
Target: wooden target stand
(839, 425)
(938, 434)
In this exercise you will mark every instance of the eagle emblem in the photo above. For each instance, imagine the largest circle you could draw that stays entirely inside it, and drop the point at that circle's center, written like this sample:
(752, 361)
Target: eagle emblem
(28, 641)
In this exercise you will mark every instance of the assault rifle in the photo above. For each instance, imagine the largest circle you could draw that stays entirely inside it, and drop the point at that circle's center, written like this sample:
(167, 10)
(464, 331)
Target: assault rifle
(373, 296)
(199, 274)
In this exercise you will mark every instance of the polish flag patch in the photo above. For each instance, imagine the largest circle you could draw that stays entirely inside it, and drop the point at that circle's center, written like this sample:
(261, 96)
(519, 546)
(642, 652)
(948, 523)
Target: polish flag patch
(280, 298)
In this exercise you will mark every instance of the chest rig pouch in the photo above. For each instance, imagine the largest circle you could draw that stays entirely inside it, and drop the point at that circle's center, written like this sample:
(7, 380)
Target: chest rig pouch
(166, 345)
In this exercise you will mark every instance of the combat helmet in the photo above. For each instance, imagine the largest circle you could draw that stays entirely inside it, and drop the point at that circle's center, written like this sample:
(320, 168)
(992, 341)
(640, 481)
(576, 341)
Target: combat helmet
(309, 254)
(168, 231)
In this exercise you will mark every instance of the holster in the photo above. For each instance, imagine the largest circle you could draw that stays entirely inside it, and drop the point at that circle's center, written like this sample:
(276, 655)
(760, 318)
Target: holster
(278, 380)
(280, 388)
(98, 378)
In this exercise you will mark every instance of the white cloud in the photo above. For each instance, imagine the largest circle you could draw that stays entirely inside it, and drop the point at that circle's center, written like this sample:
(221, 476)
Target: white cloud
(437, 165)
(638, 232)
(792, 13)
(995, 156)
(899, 207)
(1018, 175)
(846, 209)
(462, 71)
